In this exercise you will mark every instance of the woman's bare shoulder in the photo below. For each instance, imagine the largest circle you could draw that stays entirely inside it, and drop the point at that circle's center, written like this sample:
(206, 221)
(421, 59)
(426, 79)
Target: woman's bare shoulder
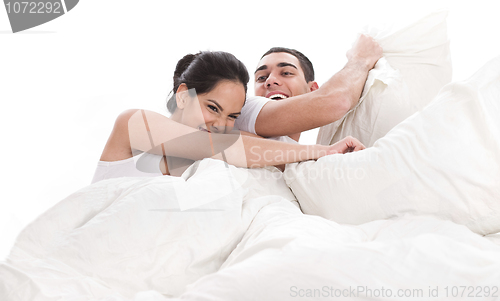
(125, 116)
(118, 145)
(134, 117)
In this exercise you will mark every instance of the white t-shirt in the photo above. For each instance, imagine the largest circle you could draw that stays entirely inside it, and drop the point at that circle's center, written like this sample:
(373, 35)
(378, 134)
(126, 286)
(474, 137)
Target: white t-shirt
(149, 166)
(250, 111)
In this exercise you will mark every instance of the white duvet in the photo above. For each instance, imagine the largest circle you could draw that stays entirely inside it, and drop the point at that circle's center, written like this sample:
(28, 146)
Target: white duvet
(128, 239)
(131, 234)
(286, 255)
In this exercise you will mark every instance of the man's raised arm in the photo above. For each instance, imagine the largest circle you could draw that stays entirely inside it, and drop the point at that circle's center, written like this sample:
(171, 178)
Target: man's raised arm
(327, 104)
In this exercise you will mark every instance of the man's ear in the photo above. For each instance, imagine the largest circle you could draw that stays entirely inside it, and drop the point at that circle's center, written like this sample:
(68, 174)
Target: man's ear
(181, 96)
(313, 86)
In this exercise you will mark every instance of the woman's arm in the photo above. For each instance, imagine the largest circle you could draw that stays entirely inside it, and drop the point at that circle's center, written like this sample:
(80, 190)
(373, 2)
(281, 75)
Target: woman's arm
(157, 134)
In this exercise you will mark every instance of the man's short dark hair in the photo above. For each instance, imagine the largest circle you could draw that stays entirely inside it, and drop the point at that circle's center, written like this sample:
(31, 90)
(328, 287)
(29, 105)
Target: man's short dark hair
(305, 63)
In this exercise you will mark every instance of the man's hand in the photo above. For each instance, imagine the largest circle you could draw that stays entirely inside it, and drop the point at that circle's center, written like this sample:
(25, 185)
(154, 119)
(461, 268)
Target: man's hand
(366, 50)
(346, 145)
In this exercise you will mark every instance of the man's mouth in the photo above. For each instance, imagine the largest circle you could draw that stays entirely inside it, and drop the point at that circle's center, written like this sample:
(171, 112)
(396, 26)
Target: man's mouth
(276, 95)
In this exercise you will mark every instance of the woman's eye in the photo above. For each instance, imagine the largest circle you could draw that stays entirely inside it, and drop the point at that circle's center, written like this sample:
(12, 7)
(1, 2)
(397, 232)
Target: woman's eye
(213, 108)
(233, 117)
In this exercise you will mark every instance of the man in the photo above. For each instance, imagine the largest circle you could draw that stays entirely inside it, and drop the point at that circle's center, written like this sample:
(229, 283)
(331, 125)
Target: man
(287, 75)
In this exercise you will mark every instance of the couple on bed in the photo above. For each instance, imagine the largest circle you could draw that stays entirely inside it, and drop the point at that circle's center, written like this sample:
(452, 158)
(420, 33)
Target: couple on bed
(210, 102)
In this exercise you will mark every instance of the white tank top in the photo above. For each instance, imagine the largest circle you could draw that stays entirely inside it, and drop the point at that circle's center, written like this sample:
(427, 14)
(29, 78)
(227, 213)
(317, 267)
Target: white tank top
(149, 167)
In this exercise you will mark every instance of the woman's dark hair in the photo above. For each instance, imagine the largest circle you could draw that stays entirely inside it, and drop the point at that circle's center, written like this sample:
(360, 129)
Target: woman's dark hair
(204, 70)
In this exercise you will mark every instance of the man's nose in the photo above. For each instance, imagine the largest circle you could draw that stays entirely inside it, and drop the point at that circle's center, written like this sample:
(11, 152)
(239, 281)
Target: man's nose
(272, 80)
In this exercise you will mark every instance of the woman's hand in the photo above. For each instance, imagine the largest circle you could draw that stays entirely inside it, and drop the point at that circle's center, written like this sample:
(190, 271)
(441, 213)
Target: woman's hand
(346, 145)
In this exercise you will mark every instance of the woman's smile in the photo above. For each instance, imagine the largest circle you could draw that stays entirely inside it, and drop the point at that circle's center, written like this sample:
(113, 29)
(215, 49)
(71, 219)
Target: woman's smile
(203, 129)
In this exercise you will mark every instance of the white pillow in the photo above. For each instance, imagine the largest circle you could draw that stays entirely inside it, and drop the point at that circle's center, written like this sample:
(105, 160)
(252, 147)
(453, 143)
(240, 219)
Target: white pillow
(443, 161)
(415, 65)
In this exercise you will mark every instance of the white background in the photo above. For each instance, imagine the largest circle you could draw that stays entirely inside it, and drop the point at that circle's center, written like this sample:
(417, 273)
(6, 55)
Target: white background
(63, 83)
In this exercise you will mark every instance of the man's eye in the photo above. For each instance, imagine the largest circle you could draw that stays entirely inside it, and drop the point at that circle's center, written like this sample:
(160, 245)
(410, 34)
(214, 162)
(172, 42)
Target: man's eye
(213, 108)
(287, 73)
(261, 78)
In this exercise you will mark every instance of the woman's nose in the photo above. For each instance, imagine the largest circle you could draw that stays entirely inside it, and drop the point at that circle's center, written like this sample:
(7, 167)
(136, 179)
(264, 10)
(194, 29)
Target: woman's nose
(218, 125)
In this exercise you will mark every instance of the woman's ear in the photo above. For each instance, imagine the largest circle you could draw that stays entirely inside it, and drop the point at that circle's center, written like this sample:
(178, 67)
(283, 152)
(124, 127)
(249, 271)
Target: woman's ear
(181, 96)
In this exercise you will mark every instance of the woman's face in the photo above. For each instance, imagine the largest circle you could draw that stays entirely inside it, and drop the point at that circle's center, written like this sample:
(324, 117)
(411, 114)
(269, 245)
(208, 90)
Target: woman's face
(214, 111)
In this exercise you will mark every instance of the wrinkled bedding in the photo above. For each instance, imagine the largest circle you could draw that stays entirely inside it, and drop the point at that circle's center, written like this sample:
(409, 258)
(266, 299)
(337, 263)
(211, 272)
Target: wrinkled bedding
(287, 255)
(129, 239)
(130, 234)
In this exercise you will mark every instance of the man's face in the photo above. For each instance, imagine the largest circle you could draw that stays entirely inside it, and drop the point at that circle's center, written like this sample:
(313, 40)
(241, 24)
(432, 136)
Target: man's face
(279, 76)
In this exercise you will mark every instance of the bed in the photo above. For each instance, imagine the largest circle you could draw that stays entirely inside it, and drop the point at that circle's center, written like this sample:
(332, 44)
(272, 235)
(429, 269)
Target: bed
(420, 221)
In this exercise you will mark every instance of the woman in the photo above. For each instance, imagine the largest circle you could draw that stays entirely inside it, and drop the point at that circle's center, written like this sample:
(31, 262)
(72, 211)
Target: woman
(209, 92)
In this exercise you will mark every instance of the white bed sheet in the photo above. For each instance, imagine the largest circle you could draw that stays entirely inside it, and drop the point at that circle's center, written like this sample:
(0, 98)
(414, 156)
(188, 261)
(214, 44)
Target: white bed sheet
(125, 235)
(116, 240)
(285, 255)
